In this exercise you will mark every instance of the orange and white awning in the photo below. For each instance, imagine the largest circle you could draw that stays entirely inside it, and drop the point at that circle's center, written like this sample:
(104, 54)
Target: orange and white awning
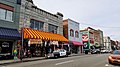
(37, 34)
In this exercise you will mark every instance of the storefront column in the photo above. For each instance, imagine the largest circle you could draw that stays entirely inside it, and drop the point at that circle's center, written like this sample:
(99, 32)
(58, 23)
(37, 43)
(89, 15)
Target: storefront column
(62, 46)
(54, 47)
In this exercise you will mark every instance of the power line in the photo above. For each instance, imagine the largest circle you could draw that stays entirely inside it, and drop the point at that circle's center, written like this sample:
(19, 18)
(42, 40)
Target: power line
(99, 25)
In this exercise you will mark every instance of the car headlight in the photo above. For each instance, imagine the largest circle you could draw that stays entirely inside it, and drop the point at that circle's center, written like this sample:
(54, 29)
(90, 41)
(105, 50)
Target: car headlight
(110, 57)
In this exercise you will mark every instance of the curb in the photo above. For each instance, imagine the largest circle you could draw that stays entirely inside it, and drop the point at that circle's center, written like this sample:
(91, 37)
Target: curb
(30, 60)
(18, 61)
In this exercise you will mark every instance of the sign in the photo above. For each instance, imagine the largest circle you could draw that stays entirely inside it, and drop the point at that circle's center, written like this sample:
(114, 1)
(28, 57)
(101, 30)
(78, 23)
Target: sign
(86, 46)
(34, 41)
(85, 37)
(5, 44)
(54, 42)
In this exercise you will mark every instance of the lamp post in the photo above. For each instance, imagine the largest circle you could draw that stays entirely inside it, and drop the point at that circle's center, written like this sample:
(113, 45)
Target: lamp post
(22, 30)
(22, 36)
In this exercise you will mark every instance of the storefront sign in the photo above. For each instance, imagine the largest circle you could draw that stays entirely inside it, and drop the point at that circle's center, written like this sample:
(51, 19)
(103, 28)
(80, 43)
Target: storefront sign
(54, 42)
(85, 37)
(34, 41)
(5, 44)
(86, 45)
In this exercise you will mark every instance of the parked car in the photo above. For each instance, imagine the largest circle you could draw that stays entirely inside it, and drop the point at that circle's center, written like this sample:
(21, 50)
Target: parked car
(114, 58)
(61, 53)
(105, 51)
(95, 51)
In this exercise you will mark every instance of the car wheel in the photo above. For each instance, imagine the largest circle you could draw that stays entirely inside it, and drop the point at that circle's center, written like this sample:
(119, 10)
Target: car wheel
(66, 55)
(56, 56)
(110, 62)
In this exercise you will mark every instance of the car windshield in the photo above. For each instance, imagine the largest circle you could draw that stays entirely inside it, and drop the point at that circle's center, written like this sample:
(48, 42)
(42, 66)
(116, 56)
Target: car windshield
(61, 50)
(116, 52)
(56, 50)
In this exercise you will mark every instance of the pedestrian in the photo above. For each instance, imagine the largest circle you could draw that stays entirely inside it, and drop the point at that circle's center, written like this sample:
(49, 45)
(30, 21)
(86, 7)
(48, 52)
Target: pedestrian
(29, 54)
(15, 54)
(21, 54)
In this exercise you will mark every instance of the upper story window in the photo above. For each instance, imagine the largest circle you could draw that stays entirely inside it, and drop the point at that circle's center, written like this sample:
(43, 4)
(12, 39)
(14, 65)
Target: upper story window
(6, 12)
(6, 15)
(72, 32)
(38, 25)
(52, 28)
(76, 34)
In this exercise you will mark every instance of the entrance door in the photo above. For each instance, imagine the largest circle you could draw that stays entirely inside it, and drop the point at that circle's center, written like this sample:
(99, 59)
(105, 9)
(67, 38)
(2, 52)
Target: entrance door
(6, 49)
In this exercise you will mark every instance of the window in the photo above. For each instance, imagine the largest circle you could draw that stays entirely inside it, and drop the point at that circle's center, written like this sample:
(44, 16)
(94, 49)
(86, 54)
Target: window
(19, 2)
(52, 28)
(9, 15)
(6, 14)
(36, 24)
(2, 12)
(72, 32)
(76, 34)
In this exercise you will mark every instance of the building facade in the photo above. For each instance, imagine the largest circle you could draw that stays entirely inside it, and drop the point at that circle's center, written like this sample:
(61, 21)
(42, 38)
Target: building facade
(107, 43)
(101, 38)
(92, 38)
(87, 38)
(42, 31)
(71, 31)
(9, 24)
(33, 17)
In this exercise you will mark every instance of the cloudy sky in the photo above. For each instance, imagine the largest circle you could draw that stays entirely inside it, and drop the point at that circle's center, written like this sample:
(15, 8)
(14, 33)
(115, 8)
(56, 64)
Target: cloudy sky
(99, 14)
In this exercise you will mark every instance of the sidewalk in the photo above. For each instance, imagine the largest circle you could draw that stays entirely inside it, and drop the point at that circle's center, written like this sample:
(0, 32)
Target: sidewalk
(2, 62)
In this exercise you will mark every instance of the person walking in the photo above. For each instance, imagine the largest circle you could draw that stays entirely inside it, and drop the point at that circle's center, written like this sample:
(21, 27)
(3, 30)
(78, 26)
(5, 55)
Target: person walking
(21, 54)
(15, 54)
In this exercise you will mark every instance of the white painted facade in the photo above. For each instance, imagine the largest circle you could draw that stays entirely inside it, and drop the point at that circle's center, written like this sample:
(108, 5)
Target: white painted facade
(107, 43)
(75, 26)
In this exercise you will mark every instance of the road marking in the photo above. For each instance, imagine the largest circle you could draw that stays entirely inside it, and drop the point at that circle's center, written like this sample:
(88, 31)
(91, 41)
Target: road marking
(106, 65)
(64, 62)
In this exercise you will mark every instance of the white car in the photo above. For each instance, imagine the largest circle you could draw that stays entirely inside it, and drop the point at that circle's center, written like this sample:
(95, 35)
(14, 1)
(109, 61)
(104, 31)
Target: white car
(60, 52)
(105, 51)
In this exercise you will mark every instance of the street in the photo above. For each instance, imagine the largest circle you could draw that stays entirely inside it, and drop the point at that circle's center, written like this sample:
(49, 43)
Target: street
(95, 60)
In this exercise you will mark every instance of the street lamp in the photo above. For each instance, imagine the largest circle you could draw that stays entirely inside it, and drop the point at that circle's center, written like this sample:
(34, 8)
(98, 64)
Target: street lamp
(22, 30)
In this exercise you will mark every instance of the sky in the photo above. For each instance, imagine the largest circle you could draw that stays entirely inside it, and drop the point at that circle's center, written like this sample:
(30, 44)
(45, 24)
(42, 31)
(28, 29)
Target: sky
(98, 14)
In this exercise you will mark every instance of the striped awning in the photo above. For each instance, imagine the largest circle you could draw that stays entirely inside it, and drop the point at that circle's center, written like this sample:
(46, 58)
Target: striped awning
(37, 34)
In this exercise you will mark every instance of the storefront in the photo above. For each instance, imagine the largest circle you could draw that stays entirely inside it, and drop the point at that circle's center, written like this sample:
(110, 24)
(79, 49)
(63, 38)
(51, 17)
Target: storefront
(40, 43)
(8, 41)
(76, 47)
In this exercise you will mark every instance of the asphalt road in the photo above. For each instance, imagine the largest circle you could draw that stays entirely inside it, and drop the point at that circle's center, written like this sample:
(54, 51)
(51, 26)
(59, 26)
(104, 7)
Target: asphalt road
(96, 60)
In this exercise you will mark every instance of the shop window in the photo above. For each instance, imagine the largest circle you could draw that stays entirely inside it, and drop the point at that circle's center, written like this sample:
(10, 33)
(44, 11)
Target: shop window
(72, 32)
(19, 2)
(76, 34)
(6, 15)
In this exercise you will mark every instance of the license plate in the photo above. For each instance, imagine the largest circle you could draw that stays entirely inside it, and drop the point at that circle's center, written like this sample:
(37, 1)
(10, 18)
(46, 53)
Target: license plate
(116, 60)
